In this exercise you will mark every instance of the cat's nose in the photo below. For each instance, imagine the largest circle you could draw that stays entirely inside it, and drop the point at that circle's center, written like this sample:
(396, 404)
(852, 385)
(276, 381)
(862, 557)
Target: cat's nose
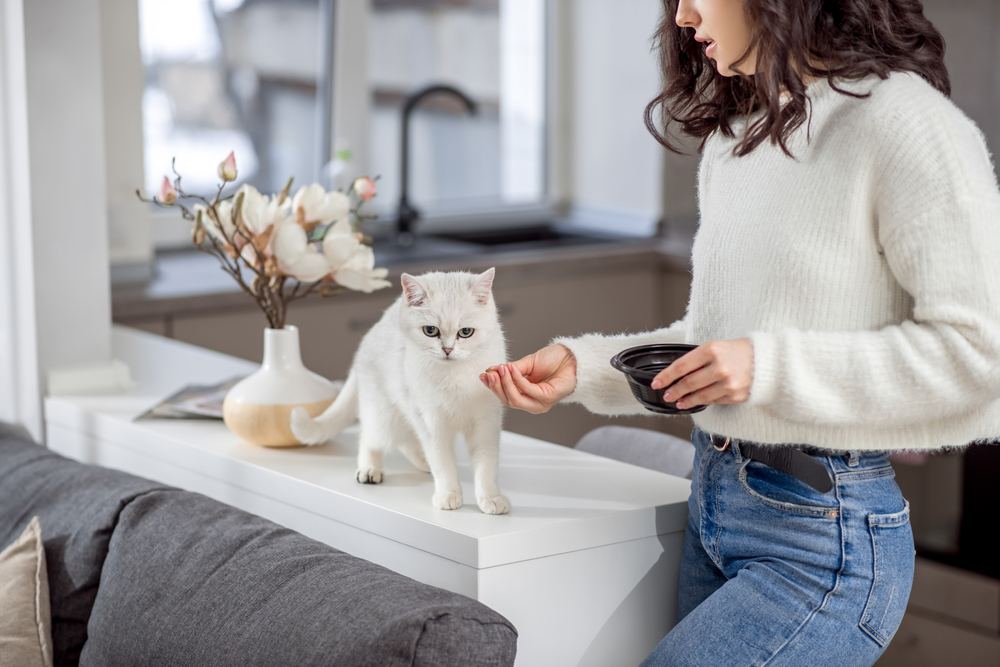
(447, 350)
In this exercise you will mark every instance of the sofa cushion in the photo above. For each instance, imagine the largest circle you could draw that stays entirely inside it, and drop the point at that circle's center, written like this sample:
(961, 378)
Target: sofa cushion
(77, 506)
(25, 624)
(189, 580)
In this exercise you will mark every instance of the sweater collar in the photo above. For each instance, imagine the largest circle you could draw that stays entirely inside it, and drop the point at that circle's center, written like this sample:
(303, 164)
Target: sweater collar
(819, 89)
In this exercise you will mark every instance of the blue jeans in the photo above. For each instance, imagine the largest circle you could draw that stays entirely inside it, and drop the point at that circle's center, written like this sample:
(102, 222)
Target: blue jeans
(774, 572)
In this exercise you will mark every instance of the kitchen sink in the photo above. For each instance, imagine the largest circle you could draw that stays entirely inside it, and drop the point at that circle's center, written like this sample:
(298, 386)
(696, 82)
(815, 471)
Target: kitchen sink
(529, 237)
(423, 248)
(470, 242)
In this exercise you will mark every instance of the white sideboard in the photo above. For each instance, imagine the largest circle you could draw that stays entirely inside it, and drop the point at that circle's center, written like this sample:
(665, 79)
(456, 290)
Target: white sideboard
(584, 566)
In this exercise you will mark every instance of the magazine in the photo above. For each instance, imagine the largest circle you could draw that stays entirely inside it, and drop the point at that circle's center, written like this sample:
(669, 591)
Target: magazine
(194, 401)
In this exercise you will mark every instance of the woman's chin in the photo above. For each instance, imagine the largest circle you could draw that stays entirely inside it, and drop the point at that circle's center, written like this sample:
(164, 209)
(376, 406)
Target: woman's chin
(724, 70)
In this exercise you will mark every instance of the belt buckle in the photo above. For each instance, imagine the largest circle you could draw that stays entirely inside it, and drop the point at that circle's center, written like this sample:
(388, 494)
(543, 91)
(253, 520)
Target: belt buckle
(724, 447)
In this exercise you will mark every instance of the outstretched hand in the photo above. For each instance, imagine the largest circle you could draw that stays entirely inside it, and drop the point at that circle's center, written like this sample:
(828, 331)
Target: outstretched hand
(536, 382)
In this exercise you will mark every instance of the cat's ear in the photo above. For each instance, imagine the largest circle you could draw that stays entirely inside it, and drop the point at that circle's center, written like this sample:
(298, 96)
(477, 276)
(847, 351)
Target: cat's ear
(413, 291)
(482, 285)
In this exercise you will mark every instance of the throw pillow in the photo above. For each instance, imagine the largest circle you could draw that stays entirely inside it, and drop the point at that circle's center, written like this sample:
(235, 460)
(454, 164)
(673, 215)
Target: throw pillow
(25, 624)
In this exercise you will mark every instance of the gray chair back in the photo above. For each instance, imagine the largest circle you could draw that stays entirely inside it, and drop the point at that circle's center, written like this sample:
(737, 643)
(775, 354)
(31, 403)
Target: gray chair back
(642, 447)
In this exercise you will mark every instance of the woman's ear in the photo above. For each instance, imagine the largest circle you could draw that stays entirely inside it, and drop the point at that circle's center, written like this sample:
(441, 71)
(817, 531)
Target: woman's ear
(413, 291)
(482, 286)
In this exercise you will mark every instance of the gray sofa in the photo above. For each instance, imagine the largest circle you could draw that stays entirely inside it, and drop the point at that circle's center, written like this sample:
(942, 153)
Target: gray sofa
(146, 574)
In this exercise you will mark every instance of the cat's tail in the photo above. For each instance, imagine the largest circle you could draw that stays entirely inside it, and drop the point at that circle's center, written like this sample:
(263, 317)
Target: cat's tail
(341, 414)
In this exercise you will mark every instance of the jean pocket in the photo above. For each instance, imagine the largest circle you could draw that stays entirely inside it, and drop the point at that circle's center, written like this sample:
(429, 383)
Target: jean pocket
(892, 573)
(782, 491)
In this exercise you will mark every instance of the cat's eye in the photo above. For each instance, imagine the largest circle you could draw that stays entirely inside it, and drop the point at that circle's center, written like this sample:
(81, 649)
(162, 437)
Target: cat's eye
(465, 332)
(430, 331)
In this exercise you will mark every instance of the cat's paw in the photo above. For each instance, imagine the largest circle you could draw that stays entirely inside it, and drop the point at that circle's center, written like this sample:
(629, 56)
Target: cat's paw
(449, 500)
(305, 429)
(493, 504)
(369, 476)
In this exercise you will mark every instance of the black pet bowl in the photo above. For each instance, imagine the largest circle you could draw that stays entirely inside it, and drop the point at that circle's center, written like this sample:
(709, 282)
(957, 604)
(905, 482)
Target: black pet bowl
(642, 363)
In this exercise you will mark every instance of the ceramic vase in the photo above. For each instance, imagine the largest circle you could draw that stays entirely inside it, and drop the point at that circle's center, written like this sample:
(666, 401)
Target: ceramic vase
(258, 408)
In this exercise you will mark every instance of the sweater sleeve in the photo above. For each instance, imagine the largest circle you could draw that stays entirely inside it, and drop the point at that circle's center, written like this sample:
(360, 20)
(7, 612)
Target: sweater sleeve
(601, 388)
(938, 224)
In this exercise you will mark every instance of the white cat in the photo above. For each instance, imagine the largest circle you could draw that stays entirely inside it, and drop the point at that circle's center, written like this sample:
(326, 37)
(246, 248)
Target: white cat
(414, 384)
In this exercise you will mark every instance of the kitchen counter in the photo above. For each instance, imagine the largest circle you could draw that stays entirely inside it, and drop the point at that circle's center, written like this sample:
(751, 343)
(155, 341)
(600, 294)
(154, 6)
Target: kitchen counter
(189, 280)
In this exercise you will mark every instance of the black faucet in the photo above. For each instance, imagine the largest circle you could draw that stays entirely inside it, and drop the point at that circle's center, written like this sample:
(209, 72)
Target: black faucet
(407, 214)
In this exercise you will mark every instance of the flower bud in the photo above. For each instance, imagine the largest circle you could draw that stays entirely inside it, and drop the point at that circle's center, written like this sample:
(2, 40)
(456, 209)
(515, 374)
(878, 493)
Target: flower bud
(364, 187)
(227, 168)
(168, 194)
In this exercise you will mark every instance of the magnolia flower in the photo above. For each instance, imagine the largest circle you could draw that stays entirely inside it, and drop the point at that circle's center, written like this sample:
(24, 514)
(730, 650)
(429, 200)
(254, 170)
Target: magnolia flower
(364, 187)
(220, 228)
(296, 257)
(168, 194)
(313, 206)
(351, 262)
(260, 212)
(260, 216)
(227, 168)
(312, 266)
(340, 244)
(271, 236)
(359, 273)
(290, 244)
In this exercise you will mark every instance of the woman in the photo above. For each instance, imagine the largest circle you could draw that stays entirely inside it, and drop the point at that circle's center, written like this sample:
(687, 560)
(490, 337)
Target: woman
(846, 298)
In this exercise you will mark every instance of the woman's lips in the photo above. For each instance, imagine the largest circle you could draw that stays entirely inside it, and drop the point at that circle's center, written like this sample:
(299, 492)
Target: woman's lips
(710, 49)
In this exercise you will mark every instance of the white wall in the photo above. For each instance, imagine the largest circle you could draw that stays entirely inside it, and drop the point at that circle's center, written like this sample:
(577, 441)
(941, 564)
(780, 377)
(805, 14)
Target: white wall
(130, 233)
(68, 185)
(52, 200)
(19, 373)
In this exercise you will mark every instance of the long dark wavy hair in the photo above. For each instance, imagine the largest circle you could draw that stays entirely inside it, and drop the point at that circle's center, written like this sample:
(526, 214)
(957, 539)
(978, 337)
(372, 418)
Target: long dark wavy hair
(849, 38)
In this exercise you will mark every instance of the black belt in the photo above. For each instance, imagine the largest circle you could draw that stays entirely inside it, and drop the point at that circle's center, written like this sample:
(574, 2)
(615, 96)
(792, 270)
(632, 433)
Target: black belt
(796, 461)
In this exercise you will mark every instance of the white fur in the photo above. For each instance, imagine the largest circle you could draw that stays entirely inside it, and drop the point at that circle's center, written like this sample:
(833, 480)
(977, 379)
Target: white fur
(408, 393)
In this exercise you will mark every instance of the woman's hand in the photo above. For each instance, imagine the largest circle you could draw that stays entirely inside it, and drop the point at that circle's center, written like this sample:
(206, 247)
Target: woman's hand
(536, 382)
(719, 371)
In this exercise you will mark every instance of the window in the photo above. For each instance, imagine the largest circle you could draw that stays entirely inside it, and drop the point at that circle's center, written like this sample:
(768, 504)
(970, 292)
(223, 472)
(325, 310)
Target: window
(242, 75)
(492, 50)
(288, 84)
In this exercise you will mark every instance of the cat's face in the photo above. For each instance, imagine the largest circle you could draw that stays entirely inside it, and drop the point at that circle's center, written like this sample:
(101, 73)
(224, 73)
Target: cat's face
(449, 315)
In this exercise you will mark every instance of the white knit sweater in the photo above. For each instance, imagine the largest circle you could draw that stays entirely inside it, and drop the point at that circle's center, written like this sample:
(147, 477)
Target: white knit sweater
(866, 273)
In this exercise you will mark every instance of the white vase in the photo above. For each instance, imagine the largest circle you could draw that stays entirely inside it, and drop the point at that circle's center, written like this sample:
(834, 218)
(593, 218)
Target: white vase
(258, 408)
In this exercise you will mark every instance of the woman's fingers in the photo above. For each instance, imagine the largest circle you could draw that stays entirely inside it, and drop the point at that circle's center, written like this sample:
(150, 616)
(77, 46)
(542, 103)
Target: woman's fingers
(691, 383)
(534, 382)
(705, 396)
(514, 395)
(526, 387)
(680, 367)
(507, 393)
(492, 383)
